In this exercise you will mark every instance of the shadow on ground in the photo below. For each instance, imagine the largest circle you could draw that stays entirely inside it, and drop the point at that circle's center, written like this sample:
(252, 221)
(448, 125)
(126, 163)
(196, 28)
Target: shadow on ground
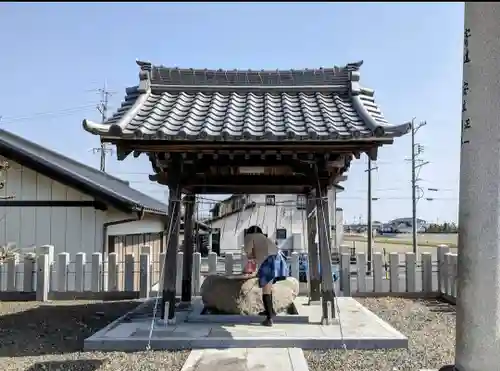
(439, 306)
(31, 328)
(81, 365)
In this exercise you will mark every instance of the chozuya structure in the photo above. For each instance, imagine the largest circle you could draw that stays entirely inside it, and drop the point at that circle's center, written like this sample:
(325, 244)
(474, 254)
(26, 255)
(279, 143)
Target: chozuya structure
(221, 131)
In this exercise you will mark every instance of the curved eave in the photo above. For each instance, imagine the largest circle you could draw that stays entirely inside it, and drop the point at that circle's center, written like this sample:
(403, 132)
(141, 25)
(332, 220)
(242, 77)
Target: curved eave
(373, 120)
(378, 128)
(116, 129)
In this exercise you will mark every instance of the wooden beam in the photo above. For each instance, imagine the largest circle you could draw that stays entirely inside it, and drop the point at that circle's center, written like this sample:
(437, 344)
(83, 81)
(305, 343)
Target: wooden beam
(172, 231)
(248, 189)
(338, 146)
(187, 267)
(244, 180)
(327, 288)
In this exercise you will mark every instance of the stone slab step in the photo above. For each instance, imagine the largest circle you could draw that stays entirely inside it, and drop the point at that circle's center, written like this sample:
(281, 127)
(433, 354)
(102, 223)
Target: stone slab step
(245, 359)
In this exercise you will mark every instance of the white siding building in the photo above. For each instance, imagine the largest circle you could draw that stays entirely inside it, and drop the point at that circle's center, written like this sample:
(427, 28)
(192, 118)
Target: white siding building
(282, 217)
(50, 199)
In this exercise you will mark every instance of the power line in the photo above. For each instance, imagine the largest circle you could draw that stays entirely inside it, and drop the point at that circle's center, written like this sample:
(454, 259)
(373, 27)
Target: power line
(61, 112)
(400, 198)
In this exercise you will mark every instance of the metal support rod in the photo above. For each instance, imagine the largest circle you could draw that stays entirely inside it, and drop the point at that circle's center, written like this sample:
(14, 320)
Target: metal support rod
(312, 250)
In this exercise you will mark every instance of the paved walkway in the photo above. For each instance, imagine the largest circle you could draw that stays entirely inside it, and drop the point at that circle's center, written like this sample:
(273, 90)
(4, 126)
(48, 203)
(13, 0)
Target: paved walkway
(246, 359)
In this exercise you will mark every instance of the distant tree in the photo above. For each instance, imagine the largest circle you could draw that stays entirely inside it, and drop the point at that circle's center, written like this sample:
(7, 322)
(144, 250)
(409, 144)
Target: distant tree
(446, 227)
(6, 251)
(4, 166)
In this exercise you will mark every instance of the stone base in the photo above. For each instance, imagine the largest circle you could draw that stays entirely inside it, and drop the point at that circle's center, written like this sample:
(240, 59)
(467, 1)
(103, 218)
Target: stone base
(201, 315)
(291, 310)
(241, 295)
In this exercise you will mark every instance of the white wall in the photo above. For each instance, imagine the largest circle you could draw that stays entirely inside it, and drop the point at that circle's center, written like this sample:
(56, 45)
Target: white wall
(69, 229)
(149, 224)
(287, 216)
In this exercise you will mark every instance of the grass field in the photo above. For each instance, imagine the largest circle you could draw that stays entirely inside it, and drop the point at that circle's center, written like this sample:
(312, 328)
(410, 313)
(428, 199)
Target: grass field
(402, 243)
(424, 239)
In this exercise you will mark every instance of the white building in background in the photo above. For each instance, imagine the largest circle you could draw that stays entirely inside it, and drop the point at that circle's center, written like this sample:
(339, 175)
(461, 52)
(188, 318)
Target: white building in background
(404, 225)
(282, 217)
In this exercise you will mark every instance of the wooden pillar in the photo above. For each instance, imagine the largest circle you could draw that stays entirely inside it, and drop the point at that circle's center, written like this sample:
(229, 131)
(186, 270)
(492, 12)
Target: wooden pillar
(187, 266)
(172, 244)
(312, 250)
(327, 288)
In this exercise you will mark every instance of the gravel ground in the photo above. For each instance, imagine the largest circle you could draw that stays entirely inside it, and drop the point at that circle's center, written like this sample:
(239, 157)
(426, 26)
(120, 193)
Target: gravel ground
(429, 325)
(36, 337)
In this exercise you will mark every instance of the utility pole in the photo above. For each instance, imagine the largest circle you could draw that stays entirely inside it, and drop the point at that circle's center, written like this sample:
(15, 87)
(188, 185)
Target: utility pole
(102, 107)
(416, 163)
(370, 222)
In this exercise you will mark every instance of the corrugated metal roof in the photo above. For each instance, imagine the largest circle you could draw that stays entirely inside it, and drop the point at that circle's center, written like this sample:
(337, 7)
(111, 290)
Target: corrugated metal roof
(321, 104)
(116, 189)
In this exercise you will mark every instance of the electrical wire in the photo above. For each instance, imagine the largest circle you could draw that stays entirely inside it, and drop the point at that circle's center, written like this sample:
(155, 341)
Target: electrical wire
(65, 111)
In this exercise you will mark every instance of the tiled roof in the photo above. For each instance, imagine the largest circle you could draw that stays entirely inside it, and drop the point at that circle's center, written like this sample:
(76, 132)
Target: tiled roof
(320, 104)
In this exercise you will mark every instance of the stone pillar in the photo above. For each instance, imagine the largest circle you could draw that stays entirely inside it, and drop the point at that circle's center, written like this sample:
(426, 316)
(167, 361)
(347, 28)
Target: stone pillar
(339, 227)
(332, 202)
(327, 289)
(210, 240)
(478, 301)
(172, 232)
(187, 267)
(312, 251)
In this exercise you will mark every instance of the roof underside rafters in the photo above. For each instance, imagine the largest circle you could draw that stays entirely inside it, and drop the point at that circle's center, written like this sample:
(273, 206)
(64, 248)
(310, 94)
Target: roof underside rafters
(223, 173)
(324, 105)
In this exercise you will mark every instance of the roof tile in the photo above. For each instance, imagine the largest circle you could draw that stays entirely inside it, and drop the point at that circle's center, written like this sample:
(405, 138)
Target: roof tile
(321, 104)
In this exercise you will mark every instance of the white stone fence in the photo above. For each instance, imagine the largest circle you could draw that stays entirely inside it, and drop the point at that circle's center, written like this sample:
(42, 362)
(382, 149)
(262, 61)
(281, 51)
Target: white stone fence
(401, 274)
(113, 277)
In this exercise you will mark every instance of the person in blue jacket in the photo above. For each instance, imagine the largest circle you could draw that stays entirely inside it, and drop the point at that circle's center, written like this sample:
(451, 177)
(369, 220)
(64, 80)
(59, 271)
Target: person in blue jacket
(304, 267)
(272, 266)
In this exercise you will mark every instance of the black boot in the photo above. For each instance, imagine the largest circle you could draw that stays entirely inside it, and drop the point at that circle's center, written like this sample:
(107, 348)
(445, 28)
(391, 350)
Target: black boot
(264, 312)
(267, 299)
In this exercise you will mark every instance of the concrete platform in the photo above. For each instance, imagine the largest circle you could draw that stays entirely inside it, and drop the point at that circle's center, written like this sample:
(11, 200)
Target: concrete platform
(357, 328)
(244, 359)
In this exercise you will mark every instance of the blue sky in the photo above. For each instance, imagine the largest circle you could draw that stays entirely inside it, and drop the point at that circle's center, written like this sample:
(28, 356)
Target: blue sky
(55, 56)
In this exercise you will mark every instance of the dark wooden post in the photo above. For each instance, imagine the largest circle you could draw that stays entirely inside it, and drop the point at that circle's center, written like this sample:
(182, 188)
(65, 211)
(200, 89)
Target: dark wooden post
(312, 251)
(172, 238)
(187, 266)
(327, 288)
